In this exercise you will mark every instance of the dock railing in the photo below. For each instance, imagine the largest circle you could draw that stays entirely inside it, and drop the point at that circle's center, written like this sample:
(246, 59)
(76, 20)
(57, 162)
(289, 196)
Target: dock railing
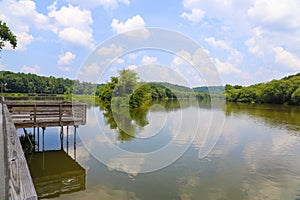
(18, 180)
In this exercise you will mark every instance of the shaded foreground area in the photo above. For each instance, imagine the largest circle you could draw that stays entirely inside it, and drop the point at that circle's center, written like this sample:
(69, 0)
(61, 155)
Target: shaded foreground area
(54, 173)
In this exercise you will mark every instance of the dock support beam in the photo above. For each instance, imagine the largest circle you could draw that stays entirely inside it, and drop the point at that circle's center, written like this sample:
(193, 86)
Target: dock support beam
(61, 138)
(75, 128)
(43, 146)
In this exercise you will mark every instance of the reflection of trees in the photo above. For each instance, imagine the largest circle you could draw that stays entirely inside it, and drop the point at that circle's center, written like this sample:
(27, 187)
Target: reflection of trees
(271, 114)
(121, 120)
(127, 121)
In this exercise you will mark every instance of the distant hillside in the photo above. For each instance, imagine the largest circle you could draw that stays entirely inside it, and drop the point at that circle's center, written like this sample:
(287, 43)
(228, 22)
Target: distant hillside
(174, 86)
(210, 89)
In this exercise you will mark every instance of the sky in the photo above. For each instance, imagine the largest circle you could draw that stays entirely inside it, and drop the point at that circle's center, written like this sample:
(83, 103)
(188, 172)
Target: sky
(248, 41)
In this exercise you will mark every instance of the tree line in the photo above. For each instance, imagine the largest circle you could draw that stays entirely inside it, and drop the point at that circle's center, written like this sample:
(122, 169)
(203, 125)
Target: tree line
(11, 82)
(283, 91)
(128, 90)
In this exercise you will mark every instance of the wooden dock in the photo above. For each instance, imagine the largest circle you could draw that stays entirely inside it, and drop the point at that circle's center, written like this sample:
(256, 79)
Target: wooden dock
(25, 114)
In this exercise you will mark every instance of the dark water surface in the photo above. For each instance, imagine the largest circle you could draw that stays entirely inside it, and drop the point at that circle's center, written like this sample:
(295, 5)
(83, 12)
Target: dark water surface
(256, 155)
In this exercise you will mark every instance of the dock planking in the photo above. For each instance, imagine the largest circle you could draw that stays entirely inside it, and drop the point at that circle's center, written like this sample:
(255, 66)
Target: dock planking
(27, 114)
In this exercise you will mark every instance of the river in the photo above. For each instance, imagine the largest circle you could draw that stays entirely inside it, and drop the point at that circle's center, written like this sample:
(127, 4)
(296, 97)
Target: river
(183, 150)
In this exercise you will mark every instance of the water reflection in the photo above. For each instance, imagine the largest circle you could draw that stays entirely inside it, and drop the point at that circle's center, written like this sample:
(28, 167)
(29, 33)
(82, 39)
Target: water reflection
(129, 125)
(274, 115)
(55, 173)
(53, 170)
(256, 156)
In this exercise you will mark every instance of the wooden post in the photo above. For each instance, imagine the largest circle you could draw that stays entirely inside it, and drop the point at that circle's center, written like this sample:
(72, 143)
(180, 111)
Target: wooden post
(67, 139)
(34, 138)
(75, 143)
(61, 138)
(60, 114)
(34, 113)
(38, 143)
(43, 144)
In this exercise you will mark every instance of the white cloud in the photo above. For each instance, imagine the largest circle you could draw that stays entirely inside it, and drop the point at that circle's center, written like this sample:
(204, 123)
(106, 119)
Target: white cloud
(72, 25)
(147, 60)
(23, 39)
(234, 57)
(221, 44)
(276, 14)
(182, 58)
(136, 22)
(132, 67)
(76, 37)
(89, 73)
(196, 15)
(66, 59)
(254, 47)
(2, 66)
(66, 69)
(90, 69)
(286, 58)
(33, 70)
(107, 4)
(19, 16)
(228, 12)
(225, 67)
(71, 16)
(111, 51)
(196, 67)
(132, 56)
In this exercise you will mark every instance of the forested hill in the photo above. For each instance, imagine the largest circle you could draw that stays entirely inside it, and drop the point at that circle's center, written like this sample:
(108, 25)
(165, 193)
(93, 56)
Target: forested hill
(210, 89)
(283, 91)
(32, 83)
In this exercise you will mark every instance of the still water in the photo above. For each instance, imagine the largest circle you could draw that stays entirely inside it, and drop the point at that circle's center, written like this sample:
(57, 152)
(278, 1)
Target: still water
(227, 151)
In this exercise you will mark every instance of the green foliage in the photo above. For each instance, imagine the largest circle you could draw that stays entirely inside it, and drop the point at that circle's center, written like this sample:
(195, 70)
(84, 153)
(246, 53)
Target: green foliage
(284, 91)
(127, 91)
(296, 96)
(31, 83)
(140, 96)
(6, 36)
(127, 82)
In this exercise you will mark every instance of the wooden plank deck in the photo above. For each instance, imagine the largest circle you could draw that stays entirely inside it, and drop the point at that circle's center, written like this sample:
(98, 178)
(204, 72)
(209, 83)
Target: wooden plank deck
(27, 114)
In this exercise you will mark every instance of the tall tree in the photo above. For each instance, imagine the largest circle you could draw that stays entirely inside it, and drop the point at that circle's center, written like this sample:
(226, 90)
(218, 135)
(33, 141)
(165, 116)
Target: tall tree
(6, 36)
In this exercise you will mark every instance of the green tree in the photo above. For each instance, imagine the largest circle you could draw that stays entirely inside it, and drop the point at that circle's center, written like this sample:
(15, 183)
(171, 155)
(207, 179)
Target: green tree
(296, 96)
(127, 82)
(6, 36)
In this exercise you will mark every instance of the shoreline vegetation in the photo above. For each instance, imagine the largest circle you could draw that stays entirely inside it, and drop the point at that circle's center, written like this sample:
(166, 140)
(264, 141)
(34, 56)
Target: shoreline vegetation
(283, 91)
(129, 89)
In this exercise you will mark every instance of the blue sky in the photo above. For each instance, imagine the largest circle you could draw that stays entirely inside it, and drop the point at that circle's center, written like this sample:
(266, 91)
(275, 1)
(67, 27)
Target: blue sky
(249, 41)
